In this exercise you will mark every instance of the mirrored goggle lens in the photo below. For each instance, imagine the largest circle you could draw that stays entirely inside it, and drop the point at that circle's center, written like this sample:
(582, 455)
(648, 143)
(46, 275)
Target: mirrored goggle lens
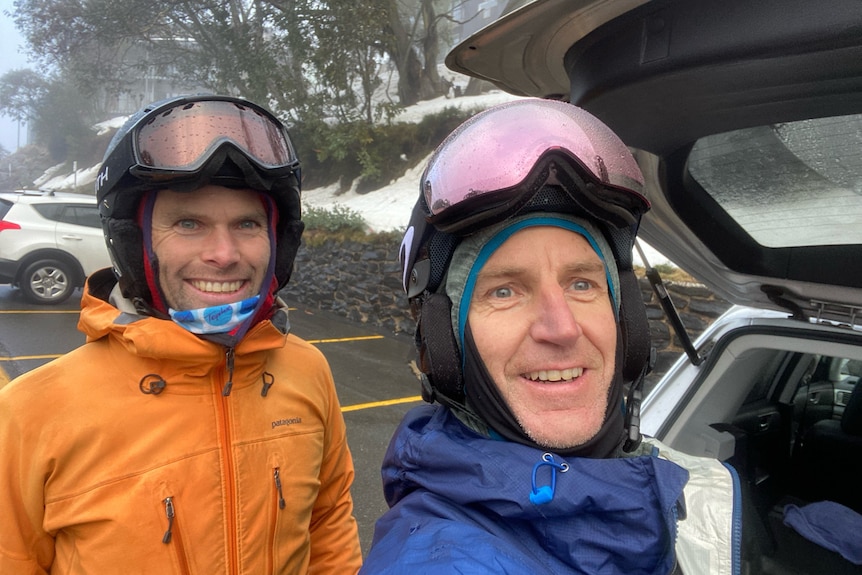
(183, 137)
(498, 150)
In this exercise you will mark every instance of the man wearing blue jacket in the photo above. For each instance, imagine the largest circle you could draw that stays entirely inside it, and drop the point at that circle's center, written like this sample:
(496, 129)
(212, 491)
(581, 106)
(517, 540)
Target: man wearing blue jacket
(530, 327)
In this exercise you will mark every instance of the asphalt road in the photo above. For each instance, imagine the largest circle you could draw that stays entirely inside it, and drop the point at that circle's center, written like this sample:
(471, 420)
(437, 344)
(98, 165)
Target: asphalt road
(372, 369)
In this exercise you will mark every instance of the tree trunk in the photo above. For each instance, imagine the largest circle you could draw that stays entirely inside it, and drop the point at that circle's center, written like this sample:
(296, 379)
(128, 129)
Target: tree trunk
(406, 62)
(431, 85)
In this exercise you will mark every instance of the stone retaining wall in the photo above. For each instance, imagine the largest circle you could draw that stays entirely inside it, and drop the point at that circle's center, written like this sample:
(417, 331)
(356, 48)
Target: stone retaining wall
(361, 282)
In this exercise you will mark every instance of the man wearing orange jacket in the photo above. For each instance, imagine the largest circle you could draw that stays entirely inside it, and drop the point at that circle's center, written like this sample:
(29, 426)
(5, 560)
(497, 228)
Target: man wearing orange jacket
(191, 433)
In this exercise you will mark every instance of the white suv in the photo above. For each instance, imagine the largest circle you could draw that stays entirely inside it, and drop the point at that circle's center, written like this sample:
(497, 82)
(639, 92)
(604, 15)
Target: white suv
(49, 243)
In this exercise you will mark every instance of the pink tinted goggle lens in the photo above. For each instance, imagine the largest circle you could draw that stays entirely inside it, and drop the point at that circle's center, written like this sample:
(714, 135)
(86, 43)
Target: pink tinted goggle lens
(183, 137)
(495, 152)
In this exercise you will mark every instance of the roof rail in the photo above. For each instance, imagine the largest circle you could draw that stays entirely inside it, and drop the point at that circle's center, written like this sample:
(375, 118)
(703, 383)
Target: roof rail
(39, 192)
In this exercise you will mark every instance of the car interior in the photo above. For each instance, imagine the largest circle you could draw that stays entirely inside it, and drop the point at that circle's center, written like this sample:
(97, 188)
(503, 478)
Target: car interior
(786, 413)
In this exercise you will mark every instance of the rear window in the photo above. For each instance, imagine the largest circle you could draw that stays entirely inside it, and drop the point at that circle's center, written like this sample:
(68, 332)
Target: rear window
(790, 184)
(5, 206)
(78, 214)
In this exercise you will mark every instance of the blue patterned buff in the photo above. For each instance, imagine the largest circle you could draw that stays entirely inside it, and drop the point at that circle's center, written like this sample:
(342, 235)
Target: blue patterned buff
(217, 319)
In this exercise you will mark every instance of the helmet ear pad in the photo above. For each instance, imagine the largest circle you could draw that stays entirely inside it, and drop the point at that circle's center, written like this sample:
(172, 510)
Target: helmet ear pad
(288, 237)
(634, 328)
(126, 241)
(633, 321)
(439, 358)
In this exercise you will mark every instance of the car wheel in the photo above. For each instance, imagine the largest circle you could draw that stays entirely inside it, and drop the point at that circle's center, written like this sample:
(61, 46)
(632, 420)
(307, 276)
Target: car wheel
(47, 282)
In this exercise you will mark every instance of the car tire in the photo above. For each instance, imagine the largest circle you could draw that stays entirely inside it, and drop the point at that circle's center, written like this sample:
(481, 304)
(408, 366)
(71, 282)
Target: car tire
(47, 282)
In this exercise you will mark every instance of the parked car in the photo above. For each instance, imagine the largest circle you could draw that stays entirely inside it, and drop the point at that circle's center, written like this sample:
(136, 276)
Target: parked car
(746, 118)
(49, 243)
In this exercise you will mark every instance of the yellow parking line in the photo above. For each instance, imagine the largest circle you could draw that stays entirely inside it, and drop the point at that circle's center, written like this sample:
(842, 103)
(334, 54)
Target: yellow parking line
(55, 356)
(337, 340)
(19, 311)
(359, 338)
(25, 357)
(4, 379)
(383, 403)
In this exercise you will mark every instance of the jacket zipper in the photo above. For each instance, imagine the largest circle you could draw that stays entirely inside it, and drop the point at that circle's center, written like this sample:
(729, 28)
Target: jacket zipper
(228, 466)
(172, 535)
(229, 357)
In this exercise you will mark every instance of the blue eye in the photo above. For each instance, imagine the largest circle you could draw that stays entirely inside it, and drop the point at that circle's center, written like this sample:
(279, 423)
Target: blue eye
(503, 292)
(581, 285)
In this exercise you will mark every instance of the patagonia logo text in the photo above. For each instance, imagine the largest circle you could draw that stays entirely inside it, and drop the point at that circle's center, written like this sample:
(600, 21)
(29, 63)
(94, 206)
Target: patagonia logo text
(290, 421)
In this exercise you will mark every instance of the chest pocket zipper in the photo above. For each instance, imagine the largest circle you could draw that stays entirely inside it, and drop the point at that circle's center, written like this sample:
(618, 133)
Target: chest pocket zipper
(277, 478)
(172, 535)
(279, 504)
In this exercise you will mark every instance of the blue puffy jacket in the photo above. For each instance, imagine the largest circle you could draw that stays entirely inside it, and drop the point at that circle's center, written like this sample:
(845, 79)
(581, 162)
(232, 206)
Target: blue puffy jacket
(461, 503)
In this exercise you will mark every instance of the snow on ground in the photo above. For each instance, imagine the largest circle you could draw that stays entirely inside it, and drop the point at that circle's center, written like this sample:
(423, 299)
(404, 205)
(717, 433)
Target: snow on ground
(417, 112)
(389, 208)
(385, 209)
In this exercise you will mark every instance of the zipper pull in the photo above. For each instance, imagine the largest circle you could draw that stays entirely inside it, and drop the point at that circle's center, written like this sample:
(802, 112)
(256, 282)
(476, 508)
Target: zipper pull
(169, 511)
(545, 493)
(277, 478)
(227, 386)
(268, 380)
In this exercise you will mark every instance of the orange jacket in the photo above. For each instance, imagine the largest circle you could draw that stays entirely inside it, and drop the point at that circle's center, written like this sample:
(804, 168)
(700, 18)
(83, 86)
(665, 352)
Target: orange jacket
(100, 474)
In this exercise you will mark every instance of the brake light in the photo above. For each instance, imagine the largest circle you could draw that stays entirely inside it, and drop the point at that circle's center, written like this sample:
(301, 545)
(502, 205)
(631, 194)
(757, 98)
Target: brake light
(4, 225)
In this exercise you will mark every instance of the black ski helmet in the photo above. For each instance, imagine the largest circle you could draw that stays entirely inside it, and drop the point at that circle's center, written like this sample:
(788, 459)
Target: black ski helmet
(184, 143)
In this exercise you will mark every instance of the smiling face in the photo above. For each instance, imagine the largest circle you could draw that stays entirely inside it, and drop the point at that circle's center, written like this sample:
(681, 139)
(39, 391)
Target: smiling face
(543, 323)
(212, 245)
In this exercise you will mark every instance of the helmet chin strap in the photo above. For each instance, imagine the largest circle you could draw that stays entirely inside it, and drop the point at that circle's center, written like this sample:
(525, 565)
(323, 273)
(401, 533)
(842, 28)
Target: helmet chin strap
(151, 261)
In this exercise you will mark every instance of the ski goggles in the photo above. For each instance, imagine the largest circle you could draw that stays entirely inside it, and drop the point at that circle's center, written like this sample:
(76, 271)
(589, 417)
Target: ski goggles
(494, 164)
(177, 139)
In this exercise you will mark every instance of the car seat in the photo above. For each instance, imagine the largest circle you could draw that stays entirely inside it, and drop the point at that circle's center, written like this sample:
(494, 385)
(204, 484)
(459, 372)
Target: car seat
(828, 467)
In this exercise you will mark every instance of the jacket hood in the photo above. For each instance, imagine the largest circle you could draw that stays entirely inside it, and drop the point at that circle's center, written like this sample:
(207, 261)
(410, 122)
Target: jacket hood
(604, 515)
